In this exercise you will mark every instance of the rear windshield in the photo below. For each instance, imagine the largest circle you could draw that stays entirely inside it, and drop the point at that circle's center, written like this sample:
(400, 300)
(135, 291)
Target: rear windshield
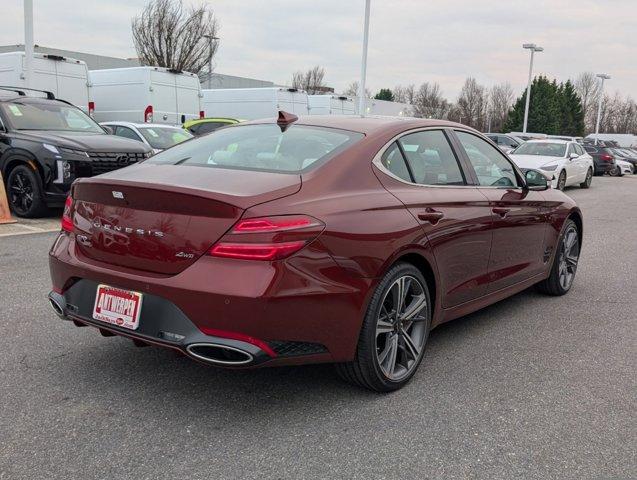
(49, 116)
(544, 149)
(261, 147)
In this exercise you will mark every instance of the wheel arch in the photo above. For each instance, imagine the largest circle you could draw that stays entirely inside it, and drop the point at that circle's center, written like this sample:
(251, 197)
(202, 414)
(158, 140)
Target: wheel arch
(576, 216)
(13, 161)
(426, 266)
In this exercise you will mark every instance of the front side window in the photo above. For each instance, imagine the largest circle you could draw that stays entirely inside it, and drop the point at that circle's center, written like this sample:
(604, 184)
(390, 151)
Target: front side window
(491, 167)
(48, 115)
(431, 159)
(262, 147)
(127, 133)
(571, 149)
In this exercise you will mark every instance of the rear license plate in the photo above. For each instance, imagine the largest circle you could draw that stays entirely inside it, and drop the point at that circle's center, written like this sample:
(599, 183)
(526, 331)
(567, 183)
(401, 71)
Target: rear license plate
(118, 307)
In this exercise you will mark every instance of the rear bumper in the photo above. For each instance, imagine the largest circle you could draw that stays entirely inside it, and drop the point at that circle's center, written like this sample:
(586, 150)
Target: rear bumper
(303, 310)
(603, 167)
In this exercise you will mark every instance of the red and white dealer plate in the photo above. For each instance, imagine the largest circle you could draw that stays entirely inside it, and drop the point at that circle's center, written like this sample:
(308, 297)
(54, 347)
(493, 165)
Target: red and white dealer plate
(118, 307)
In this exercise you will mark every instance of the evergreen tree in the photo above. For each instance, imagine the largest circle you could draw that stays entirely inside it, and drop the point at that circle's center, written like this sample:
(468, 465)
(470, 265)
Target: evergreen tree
(385, 94)
(544, 109)
(572, 112)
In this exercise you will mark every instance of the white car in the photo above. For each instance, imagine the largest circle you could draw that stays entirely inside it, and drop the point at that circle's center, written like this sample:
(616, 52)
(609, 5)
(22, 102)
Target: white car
(621, 168)
(157, 136)
(566, 162)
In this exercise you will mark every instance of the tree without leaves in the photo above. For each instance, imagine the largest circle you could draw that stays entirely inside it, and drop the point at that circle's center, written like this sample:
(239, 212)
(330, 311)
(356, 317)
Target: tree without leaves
(352, 90)
(471, 104)
(501, 98)
(167, 34)
(311, 81)
(428, 102)
(587, 87)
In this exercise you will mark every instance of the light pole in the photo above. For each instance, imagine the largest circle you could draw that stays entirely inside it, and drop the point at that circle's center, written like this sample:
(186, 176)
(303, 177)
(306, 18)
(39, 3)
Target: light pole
(603, 77)
(211, 38)
(534, 48)
(362, 101)
(28, 43)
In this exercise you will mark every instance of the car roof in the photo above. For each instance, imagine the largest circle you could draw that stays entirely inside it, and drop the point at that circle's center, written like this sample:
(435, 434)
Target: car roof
(549, 140)
(369, 124)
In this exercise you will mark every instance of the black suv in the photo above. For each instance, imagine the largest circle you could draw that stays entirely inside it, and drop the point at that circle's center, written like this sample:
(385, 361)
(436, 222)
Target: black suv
(46, 143)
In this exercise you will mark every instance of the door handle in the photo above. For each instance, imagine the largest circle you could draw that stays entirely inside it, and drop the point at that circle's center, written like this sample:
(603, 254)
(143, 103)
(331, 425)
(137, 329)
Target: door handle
(432, 216)
(501, 211)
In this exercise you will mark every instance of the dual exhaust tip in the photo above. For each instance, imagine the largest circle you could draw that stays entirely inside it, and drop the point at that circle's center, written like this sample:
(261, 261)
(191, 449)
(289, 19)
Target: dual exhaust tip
(212, 353)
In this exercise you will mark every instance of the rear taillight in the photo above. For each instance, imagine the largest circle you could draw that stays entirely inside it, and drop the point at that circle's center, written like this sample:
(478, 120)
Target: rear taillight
(91, 108)
(202, 114)
(268, 238)
(148, 114)
(67, 220)
(607, 158)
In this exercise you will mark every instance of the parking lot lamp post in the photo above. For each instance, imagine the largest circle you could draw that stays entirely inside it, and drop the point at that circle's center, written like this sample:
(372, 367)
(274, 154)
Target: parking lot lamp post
(211, 38)
(602, 77)
(28, 42)
(362, 101)
(534, 48)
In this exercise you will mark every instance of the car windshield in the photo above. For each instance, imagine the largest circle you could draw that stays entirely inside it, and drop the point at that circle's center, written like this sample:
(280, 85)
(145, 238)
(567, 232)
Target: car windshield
(545, 149)
(162, 138)
(262, 147)
(49, 116)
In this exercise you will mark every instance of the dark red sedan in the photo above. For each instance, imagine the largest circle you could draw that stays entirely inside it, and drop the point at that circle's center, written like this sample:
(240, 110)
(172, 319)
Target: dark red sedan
(321, 239)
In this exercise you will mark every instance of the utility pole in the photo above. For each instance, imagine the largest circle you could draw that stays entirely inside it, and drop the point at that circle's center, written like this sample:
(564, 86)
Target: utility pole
(28, 43)
(534, 48)
(602, 77)
(211, 39)
(362, 101)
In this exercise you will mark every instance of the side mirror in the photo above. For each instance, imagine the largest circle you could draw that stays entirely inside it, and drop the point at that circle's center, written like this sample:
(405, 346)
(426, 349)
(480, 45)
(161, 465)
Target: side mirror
(573, 155)
(109, 130)
(536, 180)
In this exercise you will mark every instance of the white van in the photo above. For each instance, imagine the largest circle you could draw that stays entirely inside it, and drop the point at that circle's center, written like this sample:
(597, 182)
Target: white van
(66, 78)
(145, 95)
(253, 103)
(331, 105)
(387, 108)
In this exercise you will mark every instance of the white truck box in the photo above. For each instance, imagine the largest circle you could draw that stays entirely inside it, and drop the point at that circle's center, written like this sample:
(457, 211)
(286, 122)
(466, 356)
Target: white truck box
(66, 78)
(253, 103)
(145, 94)
(331, 105)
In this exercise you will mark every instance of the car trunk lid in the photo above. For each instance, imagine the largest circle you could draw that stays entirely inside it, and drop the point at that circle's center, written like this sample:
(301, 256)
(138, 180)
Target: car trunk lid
(162, 218)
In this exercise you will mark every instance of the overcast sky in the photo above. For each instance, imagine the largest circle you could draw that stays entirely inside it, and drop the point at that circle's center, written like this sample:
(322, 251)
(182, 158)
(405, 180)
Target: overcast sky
(411, 41)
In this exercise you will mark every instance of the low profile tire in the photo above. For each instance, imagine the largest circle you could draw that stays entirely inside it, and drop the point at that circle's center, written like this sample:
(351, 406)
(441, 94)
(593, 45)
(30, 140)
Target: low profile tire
(561, 181)
(25, 193)
(564, 267)
(587, 181)
(394, 332)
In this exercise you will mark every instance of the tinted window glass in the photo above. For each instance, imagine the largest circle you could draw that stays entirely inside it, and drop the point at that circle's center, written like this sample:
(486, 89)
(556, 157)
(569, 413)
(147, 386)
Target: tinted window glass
(126, 133)
(164, 137)
(431, 159)
(394, 162)
(209, 127)
(491, 167)
(591, 149)
(48, 115)
(545, 149)
(261, 147)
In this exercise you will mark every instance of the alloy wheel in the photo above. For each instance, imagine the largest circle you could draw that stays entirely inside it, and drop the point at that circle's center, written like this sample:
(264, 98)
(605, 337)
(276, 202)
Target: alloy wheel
(21, 191)
(561, 181)
(568, 257)
(401, 328)
(589, 177)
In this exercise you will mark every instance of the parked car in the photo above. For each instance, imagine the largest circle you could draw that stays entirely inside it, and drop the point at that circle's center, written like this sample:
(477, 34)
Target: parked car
(528, 135)
(202, 126)
(603, 157)
(46, 143)
(155, 135)
(506, 143)
(66, 78)
(146, 95)
(322, 239)
(566, 137)
(621, 168)
(627, 155)
(566, 161)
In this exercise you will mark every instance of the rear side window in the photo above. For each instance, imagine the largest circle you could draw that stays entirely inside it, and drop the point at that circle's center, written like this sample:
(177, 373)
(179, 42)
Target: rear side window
(394, 162)
(430, 158)
(261, 147)
(591, 149)
(207, 127)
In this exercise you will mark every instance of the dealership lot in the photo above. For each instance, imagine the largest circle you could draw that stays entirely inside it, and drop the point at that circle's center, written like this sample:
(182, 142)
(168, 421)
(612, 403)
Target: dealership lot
(531, 387)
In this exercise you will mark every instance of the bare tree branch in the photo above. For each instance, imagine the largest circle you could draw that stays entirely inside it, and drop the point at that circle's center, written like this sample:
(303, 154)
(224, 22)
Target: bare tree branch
(311, 81)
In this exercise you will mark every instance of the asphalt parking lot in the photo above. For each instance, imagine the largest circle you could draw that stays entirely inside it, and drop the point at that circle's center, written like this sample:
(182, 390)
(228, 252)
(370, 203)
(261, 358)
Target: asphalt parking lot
(532, 387)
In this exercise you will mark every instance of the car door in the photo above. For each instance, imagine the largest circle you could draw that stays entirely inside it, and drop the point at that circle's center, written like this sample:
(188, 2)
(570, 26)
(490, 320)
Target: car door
(585, 161)
(427, 177)
(573, 166)
(518, 214)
